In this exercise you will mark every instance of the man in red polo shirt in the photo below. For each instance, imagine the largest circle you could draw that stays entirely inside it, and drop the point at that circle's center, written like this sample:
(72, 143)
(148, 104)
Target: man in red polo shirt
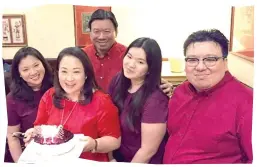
(210, 115)
(105, 53)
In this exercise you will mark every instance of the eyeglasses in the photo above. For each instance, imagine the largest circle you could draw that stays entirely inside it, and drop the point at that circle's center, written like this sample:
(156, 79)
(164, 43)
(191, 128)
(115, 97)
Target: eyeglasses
(208, 61)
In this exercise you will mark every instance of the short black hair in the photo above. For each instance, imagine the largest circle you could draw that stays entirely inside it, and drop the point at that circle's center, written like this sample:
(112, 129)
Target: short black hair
(101, 14)
(213, 35)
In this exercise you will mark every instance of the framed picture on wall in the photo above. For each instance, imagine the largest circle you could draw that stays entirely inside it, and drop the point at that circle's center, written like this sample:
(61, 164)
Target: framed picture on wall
(14, 30)
(82, 15)
(242, 32)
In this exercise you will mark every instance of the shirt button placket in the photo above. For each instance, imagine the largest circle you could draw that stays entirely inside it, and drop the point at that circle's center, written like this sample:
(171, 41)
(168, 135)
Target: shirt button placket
(102, 70)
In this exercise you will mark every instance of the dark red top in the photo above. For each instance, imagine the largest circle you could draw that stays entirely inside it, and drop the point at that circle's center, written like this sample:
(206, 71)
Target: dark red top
(213, 126)
(97, 119)
(105, 68)
(19, 112)
(155, 110)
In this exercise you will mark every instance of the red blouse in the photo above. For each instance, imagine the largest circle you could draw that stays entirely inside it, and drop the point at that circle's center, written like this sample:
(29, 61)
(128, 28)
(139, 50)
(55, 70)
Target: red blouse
(97, 119)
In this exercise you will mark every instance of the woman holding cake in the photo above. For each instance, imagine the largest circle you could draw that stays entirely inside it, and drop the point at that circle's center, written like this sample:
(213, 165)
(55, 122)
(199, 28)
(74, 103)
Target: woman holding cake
(77, 103)
(31, 78)
(142, 104)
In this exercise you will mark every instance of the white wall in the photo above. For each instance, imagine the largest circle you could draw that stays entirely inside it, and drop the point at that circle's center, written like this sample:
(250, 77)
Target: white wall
(242, 69)
(50, 28)
(170, 25)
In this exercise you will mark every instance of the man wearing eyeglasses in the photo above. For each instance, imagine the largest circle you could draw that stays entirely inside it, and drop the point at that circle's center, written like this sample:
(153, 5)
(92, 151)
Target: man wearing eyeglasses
(210, 115)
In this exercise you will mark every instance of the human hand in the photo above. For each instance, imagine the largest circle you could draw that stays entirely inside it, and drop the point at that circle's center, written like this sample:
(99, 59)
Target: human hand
(113, 160)
(29, 135)
(166, 87)
(90, 143)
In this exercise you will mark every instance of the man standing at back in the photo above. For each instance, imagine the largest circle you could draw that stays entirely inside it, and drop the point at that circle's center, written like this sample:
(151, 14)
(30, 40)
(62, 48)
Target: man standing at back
(210, 115)
(105, 53)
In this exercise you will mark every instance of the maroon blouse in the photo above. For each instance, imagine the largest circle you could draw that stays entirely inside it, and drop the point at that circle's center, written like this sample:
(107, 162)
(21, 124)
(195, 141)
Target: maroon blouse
(155, 110)
(19, 112)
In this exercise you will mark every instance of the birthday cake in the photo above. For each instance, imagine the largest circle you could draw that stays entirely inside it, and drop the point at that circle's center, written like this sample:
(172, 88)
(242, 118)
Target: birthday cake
(50, 141)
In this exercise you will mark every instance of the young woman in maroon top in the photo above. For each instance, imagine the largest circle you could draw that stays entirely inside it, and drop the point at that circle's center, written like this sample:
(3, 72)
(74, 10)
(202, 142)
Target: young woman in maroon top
(77, 103)
(31, 77)
(142, 104)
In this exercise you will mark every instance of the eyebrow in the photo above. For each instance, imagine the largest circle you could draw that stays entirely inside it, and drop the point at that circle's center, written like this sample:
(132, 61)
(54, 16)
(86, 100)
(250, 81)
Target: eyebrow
(129, 54)
(191, 56)
(136, 58)
(24, 67)
(205, 56)
(141, 59)
(77, 68)
(101, 28)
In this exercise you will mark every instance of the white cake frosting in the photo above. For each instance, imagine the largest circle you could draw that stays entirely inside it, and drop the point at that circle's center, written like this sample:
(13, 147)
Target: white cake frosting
(50, 150)
(49, 130)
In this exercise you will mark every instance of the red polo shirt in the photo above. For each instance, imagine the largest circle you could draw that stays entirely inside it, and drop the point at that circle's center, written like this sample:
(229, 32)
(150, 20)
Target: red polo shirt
(105, 68)
(213, 126)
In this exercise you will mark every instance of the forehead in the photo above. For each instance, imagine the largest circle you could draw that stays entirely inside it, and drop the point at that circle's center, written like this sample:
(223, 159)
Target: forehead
(70, 62)
(203, 49)
(137, 52)
(28, 61)
(102, 24)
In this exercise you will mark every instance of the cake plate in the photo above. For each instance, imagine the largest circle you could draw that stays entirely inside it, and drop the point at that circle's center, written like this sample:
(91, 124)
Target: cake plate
(31, 154)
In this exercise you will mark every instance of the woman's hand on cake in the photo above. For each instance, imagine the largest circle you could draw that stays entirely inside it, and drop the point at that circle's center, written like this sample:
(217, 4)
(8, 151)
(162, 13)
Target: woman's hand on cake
(113, 160)
(90, 143)
(29, 134)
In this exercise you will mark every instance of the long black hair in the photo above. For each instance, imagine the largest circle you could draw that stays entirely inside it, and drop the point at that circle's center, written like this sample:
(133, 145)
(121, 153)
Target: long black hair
(151, 82)
(19, 88)
(90, 82)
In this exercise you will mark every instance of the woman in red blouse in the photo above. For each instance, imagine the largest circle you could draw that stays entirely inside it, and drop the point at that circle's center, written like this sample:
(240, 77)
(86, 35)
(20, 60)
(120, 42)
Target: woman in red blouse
(77, 103)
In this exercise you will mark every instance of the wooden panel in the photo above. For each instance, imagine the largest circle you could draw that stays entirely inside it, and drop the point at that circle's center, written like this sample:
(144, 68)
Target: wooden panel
(242, 32)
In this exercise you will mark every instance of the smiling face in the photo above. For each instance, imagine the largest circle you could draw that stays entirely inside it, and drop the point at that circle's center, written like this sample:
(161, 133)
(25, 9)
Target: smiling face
(32, 71)
(135, 65)
(71, 76)
(102, 34)
(201, 76)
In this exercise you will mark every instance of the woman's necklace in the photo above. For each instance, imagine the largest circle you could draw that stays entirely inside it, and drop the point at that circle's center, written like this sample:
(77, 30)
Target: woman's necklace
(63, 123)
